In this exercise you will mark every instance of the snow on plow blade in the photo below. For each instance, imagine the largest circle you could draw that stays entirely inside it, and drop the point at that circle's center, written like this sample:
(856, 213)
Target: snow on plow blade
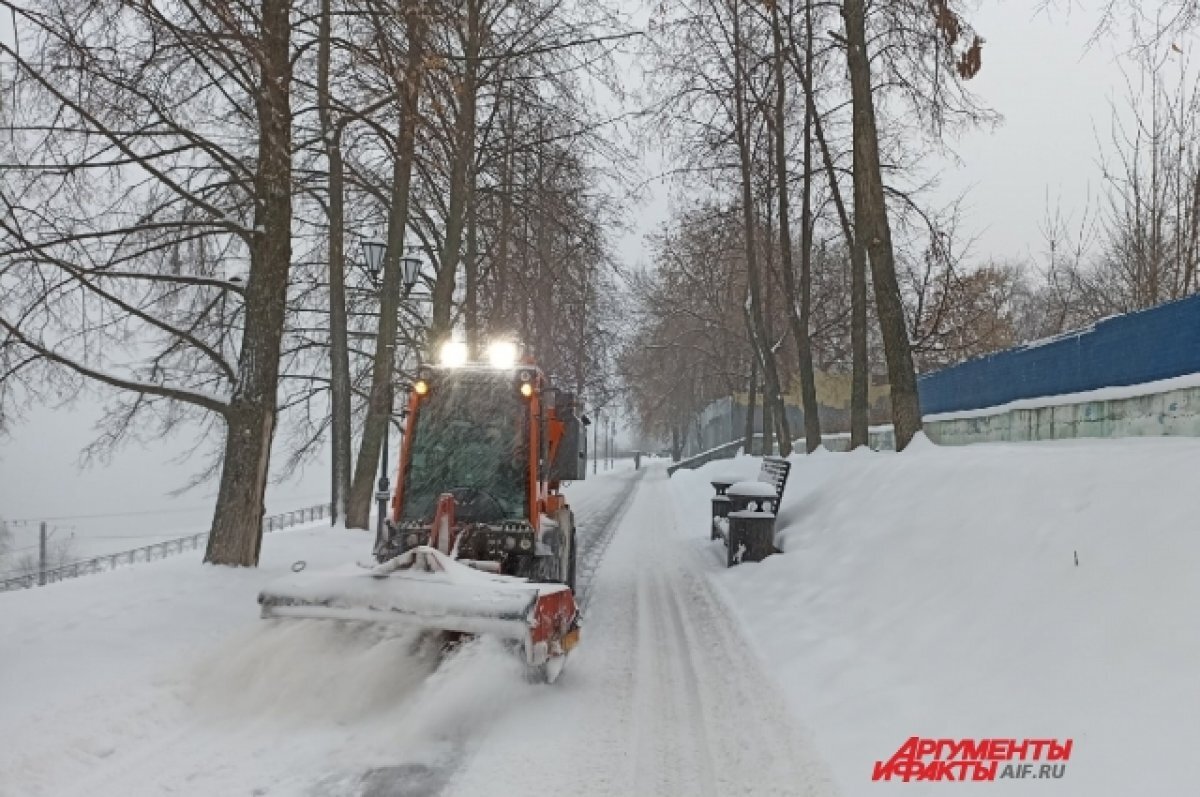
(426, 589)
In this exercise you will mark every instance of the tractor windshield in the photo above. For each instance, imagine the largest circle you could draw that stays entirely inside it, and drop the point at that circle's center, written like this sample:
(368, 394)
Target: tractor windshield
(470, 439)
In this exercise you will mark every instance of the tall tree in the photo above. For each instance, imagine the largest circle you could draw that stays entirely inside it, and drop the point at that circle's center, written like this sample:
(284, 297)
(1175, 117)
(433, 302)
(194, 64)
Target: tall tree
(799, 306)
(147, 223)
(339, 346)
(871, 219)
(402, 148)
(743, 138)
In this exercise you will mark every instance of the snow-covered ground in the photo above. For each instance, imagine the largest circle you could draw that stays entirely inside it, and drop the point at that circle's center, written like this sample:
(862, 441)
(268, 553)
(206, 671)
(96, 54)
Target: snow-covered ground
(935, 593)
(161, 679)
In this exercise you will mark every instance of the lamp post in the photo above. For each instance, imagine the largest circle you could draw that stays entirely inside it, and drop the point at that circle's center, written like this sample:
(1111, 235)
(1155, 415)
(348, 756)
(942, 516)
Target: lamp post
(608, 443)
(374, 251)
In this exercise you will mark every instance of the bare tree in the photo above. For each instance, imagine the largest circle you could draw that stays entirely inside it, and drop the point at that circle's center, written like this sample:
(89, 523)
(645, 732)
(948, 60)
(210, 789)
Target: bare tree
(799, 306)
(339, 341)
(407, 74)
(145, 242)
(947, 43)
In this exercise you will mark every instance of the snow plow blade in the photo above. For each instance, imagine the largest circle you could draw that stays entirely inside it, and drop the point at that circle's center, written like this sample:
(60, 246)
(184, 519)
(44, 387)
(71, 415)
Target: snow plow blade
(426, 589)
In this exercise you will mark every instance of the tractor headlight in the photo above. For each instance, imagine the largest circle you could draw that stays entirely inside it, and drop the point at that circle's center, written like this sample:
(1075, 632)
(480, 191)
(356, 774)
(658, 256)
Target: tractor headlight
(526, 543)
(502, 354)
(510, 542)
(453, 354)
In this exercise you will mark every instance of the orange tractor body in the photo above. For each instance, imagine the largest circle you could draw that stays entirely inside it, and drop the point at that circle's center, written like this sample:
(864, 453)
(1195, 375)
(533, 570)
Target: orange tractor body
(480, 539)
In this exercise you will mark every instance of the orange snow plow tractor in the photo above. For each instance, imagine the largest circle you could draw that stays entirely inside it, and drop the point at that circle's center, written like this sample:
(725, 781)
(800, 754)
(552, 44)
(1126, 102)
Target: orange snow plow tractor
(480, 539)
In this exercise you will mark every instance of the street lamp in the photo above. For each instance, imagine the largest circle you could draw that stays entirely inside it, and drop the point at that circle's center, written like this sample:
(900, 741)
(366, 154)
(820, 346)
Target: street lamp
(596, 441)
(374, 251)
(411, 271)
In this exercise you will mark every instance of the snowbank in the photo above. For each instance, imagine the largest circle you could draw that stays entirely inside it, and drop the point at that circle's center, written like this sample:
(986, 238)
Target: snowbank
(935, 593)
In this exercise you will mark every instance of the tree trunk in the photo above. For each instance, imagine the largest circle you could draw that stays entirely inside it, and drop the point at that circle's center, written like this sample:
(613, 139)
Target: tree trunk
(339, 349)
(768, 429)
(471, 271)
(379, 409)
(498, 317)
(542, 328)
(860, 367)
(464, 155)
(770, 277)
(748, 437)
(236, 535)
(874, 232)
(797, 317)
(762, 344)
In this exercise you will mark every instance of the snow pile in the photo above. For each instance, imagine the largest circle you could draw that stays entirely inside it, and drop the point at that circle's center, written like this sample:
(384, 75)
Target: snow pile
(935, 593)
(163, 678)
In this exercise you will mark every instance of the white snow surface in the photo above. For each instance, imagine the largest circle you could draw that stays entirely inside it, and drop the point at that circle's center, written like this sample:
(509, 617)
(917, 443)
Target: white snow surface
(931, 593)
(934, 593)
(161, 679)
(752, 489)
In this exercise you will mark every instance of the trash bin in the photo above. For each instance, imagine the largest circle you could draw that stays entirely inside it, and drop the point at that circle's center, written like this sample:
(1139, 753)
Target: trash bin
(751, 521)
(720, 507)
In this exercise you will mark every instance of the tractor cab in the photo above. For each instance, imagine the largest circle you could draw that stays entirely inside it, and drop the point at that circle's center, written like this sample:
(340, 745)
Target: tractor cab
(468, 436)
(486, 448)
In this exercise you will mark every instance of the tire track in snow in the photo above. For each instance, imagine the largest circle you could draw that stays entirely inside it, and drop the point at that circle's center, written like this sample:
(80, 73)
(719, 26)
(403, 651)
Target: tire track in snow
(598, 515)
(601, 525)
(664, 697)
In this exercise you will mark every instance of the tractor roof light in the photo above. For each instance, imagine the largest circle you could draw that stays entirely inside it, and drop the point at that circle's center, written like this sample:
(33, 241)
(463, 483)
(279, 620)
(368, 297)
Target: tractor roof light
(453, 354)
(502, 354)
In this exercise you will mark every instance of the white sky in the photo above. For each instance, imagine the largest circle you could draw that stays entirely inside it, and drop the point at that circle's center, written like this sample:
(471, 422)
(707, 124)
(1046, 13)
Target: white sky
(1053, 93)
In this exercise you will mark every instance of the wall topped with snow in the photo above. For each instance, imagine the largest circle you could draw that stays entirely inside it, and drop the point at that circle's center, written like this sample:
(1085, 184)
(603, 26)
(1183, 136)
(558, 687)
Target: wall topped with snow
(1149, 345)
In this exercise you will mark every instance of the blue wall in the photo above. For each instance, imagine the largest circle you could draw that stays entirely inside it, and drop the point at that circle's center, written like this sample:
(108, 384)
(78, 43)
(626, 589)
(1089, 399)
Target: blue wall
(1152, 344)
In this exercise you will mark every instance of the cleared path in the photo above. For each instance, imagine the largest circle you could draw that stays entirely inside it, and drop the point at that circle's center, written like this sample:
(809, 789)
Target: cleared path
(661, 699)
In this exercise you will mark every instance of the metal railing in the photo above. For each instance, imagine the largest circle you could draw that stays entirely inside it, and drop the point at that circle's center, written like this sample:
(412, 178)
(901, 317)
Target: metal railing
(148, 553)
(723, 451)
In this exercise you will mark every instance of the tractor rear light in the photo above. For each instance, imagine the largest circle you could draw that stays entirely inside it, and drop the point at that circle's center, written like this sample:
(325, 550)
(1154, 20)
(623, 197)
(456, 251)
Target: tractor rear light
(526, 543)
(411, 540)
(510, 542)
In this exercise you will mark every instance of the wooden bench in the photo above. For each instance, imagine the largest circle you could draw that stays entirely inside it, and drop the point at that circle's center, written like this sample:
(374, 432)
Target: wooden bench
(743, 515)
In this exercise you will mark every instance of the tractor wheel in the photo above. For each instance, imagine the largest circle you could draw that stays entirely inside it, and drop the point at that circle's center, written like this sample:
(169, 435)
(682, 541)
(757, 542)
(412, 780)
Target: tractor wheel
(571, 561)
(547, 672)
(566, 521)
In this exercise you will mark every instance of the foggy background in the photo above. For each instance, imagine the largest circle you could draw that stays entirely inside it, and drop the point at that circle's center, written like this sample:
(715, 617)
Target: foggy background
(1056, 96)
